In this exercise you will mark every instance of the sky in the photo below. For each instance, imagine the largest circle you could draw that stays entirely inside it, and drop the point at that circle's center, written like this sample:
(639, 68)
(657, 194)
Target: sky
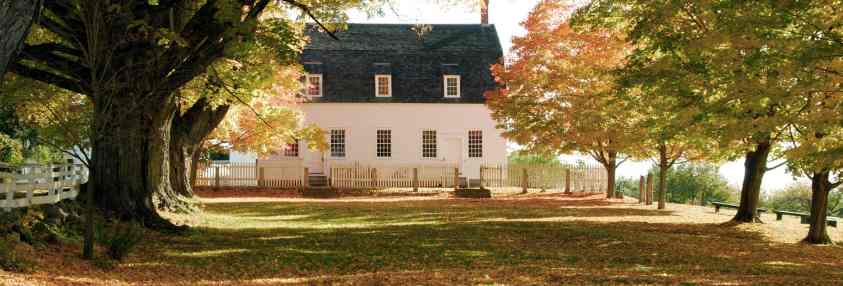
(507, 15)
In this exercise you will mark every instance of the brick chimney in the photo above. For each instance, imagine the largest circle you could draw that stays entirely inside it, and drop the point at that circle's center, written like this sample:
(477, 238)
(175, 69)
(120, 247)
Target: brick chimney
(484, 12)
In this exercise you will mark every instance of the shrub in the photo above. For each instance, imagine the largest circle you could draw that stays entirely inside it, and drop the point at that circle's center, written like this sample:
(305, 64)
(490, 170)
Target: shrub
(120, 239)
(9, 260)
(695, 183)
(797, 197)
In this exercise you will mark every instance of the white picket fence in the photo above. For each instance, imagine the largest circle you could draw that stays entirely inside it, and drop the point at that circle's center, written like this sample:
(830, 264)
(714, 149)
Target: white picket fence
(262, 173)
(291, 174)
(29, 184)
(566, 177)
(356, 176)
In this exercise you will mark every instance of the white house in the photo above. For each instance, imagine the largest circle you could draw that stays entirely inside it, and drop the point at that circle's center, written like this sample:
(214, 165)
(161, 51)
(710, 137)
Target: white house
(386, 94)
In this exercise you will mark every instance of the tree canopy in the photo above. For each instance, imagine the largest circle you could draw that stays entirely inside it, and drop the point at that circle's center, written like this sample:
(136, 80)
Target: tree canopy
(559, 92)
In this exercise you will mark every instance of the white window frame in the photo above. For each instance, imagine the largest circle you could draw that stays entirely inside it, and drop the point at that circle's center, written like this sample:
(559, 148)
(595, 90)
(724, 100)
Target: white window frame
(388, 82)
(445, 85)
(307, 85)
(344, 143)
(435, 144)
(469, 139)
(284, 153)
(378, 143)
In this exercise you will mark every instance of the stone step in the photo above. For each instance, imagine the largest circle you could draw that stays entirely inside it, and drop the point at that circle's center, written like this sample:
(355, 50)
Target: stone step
(317, 180)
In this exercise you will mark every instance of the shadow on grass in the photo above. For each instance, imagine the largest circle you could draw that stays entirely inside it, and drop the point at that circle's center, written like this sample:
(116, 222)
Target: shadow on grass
(452, 242)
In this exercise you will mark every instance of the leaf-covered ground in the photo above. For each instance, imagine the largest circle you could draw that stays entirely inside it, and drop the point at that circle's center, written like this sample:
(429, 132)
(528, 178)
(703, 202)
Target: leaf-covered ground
(535, 240)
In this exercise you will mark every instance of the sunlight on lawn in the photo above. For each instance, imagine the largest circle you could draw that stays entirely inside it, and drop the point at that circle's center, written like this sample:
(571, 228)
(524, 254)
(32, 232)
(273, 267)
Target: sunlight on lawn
(545, 240)
(209, 253)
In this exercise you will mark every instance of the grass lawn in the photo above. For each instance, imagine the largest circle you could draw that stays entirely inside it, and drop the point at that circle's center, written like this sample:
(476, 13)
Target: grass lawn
(441, 241)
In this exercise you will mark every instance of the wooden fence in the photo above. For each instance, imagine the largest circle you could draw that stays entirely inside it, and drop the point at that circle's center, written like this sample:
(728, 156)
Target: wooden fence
(574, 178)
(29, 184)
(291, 174)
(263, 173)
(356, 176)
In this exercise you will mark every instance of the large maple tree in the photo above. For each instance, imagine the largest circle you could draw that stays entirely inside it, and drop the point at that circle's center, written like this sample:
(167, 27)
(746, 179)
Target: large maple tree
(559, 94)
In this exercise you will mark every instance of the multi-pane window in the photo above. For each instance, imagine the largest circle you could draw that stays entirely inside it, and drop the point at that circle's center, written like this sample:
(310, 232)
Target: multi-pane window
(475, 144)
(313, 85)
(452, 86)
(384, 145)
(292, 149)
(429, 144)
(383, 85)
(338, 143)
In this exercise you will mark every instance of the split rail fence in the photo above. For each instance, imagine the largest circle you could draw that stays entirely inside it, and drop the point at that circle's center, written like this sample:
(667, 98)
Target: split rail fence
(29, 184)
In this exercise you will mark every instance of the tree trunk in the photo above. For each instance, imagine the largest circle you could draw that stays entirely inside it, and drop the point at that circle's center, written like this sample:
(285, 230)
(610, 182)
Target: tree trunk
(611, 168)
(194, 166)
(820, 187)
(664, 166)
(188, 132)
(755, 165)
(130, 163)
(88, 239)
(16, 18)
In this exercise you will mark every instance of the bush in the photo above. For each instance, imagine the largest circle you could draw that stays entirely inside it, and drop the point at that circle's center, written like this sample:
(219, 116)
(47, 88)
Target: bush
(797, 197)
(627, 186)
(9, 260)
(120, 239)
(695, 183)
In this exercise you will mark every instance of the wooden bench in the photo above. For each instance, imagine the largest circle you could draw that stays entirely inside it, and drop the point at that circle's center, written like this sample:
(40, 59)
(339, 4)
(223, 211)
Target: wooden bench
(717, 206)
(804, 218)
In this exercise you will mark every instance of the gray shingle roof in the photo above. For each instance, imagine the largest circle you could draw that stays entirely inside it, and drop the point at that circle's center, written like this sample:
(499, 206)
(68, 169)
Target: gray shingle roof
(398, 37)
(417, 64)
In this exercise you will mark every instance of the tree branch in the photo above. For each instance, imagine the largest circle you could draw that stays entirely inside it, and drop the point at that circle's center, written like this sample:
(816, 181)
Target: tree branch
(306, 9)
(42, 54)
(776, 166)
(47, 77)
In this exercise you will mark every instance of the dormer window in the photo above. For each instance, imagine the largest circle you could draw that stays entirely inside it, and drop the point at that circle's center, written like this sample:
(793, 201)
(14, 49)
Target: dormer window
(383, 85)
(313, 85)
(452, 86)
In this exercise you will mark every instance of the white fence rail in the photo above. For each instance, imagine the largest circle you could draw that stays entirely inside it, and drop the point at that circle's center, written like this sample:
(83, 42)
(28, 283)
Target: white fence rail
(291, 174)
(571, 178)
(263, 173)
(28, 185)
(355, 176)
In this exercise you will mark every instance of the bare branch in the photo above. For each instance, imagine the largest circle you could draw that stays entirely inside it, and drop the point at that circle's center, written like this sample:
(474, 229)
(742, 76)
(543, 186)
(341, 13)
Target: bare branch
(306, 10)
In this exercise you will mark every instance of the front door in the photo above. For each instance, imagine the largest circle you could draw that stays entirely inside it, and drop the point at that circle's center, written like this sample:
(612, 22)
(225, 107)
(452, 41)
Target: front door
(452, 151)
(314, 161)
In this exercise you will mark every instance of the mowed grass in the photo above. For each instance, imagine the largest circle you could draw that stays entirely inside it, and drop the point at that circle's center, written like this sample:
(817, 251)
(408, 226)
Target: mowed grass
(536, 241)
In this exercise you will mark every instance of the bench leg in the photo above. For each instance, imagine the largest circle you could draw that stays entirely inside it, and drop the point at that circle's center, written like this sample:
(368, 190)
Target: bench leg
(716, 209)
(778, 216)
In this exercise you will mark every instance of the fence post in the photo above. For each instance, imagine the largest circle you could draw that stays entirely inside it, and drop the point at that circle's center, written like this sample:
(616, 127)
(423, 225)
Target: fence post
(216, 177)
(374, 173)
(415, 179)
(261, 177)
(456, 178)
(7, 183)
(305, 181)
(258, 176)
(525, 181)
(481, 177)
(641, 192)
(567, 181)
(649, 189)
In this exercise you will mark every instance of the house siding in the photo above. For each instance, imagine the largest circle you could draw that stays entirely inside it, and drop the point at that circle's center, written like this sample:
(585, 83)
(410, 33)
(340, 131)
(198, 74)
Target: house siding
(452, 123)
(362, 120)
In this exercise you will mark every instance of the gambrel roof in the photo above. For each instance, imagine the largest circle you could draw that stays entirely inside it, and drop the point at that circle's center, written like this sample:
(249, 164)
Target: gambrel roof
(417, 63)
